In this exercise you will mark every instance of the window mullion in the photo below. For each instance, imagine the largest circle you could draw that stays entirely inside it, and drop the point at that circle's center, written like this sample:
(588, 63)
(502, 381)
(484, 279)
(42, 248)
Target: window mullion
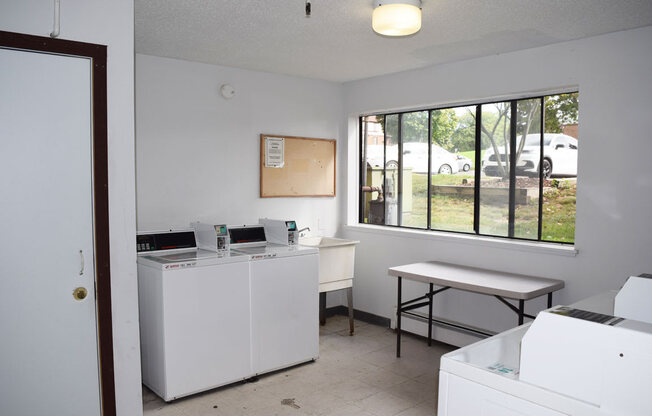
(478, 169)
(363, 168)
(429, 190)
(541, 178)
(384, 183)
(399, 185)
(512, 167)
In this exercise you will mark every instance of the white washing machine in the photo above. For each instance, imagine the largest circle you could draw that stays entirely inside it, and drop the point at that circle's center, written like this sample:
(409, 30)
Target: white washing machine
(194, 315)
(586, 359)
(284, 299)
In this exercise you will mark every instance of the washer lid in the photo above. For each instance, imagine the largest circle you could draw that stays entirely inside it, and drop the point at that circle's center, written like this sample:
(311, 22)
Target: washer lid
(275, 250)
(195, 258)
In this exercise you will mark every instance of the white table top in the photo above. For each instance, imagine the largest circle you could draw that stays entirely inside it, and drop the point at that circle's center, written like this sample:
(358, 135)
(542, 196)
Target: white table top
(487, 282)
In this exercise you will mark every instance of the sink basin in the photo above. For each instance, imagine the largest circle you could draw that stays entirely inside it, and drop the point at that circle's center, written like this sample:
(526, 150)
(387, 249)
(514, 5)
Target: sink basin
(336, 258)
(323, 242)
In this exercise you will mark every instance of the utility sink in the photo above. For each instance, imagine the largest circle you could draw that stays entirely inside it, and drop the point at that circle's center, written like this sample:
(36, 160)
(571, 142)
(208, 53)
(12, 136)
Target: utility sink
(336, 260)
(323, 242)
(336, 257)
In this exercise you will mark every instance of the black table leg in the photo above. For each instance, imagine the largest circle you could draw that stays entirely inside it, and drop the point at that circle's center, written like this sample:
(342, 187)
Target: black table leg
(398, 320)
(521, 311)
(322, 308)
(550, 300)
(349, 300)
(430, 316)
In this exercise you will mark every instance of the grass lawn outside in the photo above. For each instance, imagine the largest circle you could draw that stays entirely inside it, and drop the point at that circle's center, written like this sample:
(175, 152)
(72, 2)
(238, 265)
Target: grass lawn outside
(452, 213)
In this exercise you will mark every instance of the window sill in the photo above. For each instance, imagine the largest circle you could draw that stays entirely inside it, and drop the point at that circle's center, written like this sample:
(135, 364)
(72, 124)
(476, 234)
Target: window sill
(520, 245)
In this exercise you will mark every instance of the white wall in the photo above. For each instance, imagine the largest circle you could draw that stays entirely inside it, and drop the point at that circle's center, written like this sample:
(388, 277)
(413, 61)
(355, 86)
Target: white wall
(108, 23)
(198, 153)
(614, 197)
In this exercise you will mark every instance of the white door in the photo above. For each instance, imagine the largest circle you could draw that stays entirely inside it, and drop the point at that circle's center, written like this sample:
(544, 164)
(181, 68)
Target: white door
(48, 339)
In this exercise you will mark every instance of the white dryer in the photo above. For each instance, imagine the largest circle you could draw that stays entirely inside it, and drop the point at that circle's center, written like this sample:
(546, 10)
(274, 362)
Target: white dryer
(284, 299)
(194, 315)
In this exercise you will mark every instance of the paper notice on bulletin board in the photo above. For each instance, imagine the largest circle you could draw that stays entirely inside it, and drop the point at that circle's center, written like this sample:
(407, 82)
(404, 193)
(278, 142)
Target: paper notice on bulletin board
(274, 152)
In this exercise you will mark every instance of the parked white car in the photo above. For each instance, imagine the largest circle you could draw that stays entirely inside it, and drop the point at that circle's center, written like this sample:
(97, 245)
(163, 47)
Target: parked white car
(415, 156)
(559, 157)
(463, 163)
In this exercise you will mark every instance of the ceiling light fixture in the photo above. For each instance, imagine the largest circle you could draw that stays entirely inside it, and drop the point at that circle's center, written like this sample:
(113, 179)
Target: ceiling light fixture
(396, 17)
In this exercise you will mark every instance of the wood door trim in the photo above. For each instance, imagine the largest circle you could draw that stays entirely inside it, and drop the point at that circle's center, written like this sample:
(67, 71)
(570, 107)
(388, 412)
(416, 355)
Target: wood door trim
(97, 54)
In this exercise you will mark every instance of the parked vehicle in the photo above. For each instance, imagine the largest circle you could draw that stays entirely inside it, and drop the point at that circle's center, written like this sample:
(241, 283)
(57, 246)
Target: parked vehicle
(415, 156)
(559, 157)
(463, 163)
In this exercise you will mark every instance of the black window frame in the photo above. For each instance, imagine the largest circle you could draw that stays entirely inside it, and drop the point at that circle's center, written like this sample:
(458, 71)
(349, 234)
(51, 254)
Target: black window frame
(477, 172)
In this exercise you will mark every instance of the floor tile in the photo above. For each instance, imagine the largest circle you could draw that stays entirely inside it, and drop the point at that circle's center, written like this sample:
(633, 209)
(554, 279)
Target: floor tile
(352, 390)
(382, 378)
(384, 404)
(319, 403)
(415, 392)
(348, 410)
(420, 410)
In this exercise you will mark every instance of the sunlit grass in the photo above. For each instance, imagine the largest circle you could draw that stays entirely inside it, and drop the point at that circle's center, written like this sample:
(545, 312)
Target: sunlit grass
(558, 212)
(451, 213)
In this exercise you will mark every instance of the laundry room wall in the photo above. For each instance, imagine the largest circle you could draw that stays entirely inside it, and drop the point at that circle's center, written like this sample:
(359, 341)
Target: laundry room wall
(198, 153)
(107, 23)
(614, 191)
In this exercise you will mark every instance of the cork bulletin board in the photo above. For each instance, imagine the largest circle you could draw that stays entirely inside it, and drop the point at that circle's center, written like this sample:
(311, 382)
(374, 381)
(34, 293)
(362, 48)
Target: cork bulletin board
(296, 166)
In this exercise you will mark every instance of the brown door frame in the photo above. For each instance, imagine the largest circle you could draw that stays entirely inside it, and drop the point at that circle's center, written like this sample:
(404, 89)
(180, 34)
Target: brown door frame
(97, 54)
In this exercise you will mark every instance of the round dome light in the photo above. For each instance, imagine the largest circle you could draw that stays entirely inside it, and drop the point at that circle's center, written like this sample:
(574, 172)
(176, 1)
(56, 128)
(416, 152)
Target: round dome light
(396, 18)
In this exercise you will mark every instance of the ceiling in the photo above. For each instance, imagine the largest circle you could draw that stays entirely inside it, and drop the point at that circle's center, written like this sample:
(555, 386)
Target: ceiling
(337, 44)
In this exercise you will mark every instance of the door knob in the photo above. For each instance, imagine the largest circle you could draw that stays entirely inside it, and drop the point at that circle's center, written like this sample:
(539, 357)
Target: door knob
(80, 293)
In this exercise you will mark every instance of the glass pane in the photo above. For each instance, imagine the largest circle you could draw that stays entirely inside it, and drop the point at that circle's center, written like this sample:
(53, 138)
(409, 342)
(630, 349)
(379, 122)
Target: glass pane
(391, 169)
(453, 168)
(528, 152)
(373, 159)
(414, 134)
(494, 184)
(560, 167)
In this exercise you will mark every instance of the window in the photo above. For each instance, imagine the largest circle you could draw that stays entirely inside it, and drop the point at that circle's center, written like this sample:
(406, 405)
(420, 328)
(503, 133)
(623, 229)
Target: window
(504, 169)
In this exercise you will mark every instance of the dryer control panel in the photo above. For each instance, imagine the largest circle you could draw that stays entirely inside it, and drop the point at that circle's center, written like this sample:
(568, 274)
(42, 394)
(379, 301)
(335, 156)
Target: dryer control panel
(165, 240)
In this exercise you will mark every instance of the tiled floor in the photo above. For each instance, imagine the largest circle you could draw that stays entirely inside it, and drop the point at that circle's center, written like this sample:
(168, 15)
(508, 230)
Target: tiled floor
(354, 376)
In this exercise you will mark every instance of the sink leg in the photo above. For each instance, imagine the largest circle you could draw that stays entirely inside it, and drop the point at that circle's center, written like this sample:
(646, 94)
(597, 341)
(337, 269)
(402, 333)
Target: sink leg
(349, 298)
(322, 308)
